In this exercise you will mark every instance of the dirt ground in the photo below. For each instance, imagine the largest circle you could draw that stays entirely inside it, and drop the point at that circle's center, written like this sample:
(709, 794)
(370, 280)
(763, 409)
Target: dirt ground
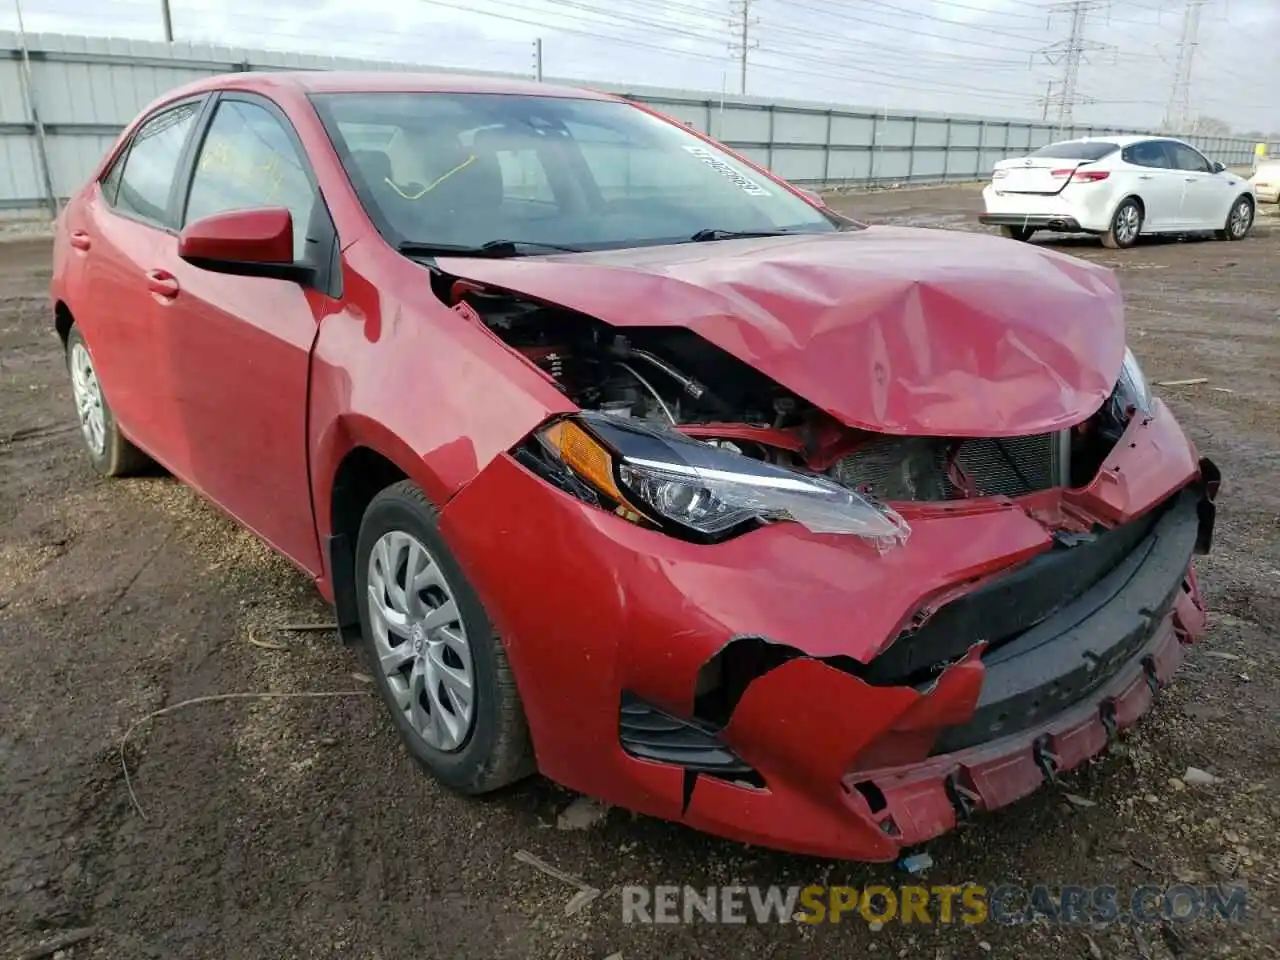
(300, 828)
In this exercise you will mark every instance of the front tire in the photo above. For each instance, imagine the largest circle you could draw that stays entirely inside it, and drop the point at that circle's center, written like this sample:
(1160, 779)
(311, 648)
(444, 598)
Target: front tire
(109, 450)
(1239, 220)
(1126, 225)
(438, 662)
(1021, 234)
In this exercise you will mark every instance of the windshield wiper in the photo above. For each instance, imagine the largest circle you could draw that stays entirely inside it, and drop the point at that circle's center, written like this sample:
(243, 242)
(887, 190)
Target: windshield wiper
(499, 248)
(490, 248)
(703, 236)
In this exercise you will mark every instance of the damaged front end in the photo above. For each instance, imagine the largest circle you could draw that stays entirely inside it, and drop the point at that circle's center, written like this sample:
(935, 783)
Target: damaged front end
(737, 611)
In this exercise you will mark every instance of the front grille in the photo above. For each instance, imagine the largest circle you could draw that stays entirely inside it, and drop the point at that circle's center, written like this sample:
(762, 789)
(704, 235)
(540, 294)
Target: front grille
(916, 468)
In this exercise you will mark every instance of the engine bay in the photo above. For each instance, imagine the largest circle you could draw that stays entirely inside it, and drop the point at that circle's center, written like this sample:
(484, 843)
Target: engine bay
(672, 376)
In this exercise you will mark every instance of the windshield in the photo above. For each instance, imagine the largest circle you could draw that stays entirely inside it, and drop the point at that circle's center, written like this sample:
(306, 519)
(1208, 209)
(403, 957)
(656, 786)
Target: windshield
(1077, 150)
(467, 169)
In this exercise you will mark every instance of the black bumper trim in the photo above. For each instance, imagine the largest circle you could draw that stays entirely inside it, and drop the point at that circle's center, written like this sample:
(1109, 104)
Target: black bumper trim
(999, 611)
(648, 733)
(1036, 222)
(1062, 660)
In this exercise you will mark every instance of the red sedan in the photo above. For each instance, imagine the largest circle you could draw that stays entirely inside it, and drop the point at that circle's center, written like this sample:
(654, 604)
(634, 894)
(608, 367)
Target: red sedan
(629, 463)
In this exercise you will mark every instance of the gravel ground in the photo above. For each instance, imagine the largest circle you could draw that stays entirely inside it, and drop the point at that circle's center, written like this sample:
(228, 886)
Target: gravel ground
(299, 828)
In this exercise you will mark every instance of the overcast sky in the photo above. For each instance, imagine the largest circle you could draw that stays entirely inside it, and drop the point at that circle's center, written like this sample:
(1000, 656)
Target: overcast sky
(970, 56)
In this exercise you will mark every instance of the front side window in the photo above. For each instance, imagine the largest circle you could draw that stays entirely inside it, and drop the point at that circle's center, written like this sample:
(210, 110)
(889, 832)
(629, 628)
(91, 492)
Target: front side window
(151, 165)
(465, 169)
(249, 161)
(1185, 158)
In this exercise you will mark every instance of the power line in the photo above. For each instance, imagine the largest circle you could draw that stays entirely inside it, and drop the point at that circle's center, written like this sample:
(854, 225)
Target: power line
(740, 42)
(1069, 54)
(1177, 115)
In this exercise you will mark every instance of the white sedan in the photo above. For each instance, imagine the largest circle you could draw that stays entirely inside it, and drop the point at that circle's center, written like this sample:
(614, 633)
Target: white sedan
(1119, 188)
(1266, 180)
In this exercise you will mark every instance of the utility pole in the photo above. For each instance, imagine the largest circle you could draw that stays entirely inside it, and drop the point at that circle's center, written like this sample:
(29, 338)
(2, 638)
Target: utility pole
(537, 59)
(1070, 54)
(27, 83)
(740, 42)
(1177, 116)
(166, 16)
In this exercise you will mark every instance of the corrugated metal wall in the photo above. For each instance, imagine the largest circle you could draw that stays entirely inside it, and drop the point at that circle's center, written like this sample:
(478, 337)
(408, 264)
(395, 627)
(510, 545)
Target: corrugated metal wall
(86, 88)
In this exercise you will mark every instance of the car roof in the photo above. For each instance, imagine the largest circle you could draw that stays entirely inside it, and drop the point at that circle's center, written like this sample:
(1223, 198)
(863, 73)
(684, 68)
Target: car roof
(1122, 141)
(376, 81)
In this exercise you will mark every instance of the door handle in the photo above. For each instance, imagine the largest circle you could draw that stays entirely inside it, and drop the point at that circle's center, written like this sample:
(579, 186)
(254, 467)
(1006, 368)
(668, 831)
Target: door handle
(162, 284)
(1145, 176)
(1190, 179)
(80, 240)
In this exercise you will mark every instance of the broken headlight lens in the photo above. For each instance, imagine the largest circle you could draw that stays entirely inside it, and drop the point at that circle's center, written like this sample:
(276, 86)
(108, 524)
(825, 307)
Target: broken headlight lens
(1131, 392)
(709, 490)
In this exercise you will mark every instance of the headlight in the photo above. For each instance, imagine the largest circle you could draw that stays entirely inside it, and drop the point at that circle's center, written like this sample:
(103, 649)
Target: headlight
(674, 480)
(1131, 392)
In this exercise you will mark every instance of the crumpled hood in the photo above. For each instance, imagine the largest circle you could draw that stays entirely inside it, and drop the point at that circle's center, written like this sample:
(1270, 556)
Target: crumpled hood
(897, 330)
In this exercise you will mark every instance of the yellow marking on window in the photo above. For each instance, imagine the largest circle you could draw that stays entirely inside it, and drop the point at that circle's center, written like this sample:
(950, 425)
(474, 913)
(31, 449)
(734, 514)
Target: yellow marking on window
(435, 183)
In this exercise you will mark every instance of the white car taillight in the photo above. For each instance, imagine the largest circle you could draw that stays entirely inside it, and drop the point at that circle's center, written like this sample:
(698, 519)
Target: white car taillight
(1082, 176)
(999, 173)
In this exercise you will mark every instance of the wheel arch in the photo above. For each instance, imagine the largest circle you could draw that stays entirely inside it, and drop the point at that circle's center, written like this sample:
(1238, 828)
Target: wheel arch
(1137, 198)
(360, 475)
(63, 320)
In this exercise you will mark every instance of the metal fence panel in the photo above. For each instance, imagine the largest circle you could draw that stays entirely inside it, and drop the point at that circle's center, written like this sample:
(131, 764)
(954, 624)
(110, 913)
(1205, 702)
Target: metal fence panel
(87, 88)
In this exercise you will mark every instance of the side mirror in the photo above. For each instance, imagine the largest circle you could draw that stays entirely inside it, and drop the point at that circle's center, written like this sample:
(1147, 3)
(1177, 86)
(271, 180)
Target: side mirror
(245, 243)
(1219, 166)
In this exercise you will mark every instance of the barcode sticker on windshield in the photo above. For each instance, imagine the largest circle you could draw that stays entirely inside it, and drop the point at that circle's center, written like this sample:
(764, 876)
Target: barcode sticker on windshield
(744, 183)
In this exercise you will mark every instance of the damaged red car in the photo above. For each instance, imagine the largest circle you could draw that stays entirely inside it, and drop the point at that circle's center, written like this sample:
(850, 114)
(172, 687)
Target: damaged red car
(631, 464)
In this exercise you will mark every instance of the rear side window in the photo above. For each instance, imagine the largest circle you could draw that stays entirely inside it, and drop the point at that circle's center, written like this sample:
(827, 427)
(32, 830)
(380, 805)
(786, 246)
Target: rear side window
(1149, 153)
(111, 182)
(1076, 150)
(152, 163)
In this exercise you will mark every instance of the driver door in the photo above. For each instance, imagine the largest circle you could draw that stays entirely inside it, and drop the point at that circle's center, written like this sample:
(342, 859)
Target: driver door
(1205, 196)
(239, 352)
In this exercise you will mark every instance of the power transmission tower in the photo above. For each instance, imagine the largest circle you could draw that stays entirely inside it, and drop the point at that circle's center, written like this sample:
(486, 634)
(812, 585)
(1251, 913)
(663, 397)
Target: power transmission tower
(740, 42)
(1177, 116)
(1070, 54)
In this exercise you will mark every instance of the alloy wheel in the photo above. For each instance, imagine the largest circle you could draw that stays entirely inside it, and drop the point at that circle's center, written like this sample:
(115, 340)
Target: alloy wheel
(421, 641)
(1241, 219)
(1127, 224)
(88, 396)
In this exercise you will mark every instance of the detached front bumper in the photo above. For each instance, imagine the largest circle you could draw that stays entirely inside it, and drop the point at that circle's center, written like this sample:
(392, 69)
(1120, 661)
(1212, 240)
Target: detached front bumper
(1062, 689)
(757, 689)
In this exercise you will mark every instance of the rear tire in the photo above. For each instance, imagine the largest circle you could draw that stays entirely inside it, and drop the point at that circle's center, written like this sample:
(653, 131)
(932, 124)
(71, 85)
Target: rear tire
(1021, 234)
(1239, 220)
(110, 452)
(437, 660)
(1126, 225)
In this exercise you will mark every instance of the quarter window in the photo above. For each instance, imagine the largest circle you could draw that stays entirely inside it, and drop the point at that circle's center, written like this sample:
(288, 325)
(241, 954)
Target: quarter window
(152, 164)
(249, 161)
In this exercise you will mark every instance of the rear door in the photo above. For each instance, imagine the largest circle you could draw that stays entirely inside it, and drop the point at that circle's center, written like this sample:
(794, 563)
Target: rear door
(240, 358)
(1206, 196)
(1157, 183)
(124, 218)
